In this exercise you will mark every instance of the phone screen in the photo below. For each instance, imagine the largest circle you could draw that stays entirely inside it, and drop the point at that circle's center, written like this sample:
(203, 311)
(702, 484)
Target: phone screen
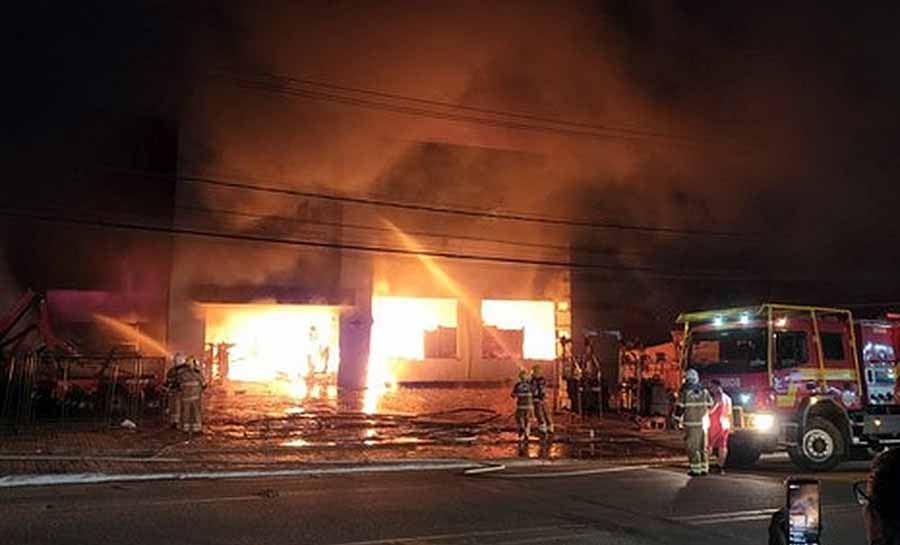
(803, 512)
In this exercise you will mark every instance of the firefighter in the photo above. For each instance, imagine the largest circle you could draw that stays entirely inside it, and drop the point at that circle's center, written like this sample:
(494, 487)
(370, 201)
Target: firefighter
(524, 406)
(190, 387)
(173, 394)
(692, 411)
(539, 394)
(568, 371)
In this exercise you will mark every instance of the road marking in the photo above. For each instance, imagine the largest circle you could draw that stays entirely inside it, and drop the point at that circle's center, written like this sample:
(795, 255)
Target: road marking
(578, 473)
(546, 539)
(725, 514)
(482, 534)
(724, 518)
(747, 516)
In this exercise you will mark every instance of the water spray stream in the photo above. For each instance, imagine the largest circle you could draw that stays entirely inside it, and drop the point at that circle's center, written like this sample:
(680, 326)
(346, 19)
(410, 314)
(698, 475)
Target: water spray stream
(441, 276)
(132, 332)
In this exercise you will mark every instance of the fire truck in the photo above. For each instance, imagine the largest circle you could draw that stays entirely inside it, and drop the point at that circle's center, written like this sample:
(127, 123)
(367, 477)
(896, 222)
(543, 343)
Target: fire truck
(809, 380)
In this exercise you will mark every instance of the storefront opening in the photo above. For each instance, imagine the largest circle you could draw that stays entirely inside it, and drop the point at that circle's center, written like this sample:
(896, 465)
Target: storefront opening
(518, 330)
(276, 342)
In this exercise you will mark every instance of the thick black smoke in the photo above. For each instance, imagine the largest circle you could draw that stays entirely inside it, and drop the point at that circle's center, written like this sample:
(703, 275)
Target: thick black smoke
(776, 123)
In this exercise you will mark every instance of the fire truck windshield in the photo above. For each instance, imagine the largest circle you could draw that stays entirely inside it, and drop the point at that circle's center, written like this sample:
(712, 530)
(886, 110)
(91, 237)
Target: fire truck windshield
(728, 351)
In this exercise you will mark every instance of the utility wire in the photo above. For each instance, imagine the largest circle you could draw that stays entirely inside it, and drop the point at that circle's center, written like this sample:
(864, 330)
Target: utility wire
(423, 234)
(433, 208)
(286, 90)
(99, 222)
(504, 216)
(277, 79)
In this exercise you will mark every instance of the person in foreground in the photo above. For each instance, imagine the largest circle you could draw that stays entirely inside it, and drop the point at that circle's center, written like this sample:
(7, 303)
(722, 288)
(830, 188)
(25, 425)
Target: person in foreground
(879, 496)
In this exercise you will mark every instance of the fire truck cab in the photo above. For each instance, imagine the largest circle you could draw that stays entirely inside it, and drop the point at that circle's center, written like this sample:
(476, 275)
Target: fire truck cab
(809, 380)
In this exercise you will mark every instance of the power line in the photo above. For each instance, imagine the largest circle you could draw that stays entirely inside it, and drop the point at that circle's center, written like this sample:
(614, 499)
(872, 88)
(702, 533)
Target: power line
(561, 128)
(639, 132)
(504, 216)
(99, 222)
(424, 234)
(451, 210)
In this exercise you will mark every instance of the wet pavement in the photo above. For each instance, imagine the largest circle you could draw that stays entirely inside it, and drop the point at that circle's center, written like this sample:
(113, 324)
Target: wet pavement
(250, 425)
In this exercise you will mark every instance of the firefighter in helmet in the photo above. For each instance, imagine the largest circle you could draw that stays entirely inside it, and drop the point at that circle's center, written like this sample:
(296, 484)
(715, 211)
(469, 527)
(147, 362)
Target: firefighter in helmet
(692, 410)
(190, 387)
(524, 406)
(173, 394)
(539, 394)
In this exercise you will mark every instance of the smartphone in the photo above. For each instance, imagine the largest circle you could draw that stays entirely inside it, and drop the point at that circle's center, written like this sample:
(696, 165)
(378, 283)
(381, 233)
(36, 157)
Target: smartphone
(804, 511)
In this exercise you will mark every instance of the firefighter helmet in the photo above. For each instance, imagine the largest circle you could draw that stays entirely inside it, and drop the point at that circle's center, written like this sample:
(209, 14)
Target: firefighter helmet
(537, 371)
(692, 377)
(523, 375)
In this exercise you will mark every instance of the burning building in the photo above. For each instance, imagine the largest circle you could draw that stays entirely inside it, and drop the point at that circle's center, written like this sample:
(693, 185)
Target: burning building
(343, 313)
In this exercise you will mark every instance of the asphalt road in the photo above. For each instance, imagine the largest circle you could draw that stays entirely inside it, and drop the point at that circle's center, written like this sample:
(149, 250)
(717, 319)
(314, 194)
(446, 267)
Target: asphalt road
(622, 506)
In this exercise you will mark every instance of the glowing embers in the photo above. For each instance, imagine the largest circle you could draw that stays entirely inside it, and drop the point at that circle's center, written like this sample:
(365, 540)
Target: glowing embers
(518, 329)
(276, 342)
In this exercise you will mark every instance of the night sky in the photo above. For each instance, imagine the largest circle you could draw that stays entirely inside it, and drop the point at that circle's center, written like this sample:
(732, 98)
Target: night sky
(760, 137)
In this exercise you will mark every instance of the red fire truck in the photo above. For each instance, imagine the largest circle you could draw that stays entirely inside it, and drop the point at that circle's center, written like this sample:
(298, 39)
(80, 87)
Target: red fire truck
(809, 380)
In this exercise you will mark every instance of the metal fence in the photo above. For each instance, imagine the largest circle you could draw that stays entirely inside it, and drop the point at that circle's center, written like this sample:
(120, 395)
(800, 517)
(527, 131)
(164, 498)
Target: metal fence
(38, 388)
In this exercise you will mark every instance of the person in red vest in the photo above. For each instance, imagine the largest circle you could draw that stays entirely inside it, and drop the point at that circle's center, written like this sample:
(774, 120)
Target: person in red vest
(719, 423)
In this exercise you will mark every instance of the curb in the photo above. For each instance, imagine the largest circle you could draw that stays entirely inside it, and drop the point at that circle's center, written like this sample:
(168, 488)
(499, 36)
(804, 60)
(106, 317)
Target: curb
(470, 467)
(16, 481)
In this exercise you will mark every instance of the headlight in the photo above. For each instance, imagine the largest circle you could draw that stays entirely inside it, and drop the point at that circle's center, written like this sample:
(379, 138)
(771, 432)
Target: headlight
(761, 422)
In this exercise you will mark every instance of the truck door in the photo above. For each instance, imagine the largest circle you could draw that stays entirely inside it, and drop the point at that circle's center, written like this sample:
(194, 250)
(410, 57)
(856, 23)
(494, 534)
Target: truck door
(792, 365)
(839, 378)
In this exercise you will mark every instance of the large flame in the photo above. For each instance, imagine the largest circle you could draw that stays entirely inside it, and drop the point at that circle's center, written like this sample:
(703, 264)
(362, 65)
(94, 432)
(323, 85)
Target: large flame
(536, 318)
(270, 342)
(398, 332)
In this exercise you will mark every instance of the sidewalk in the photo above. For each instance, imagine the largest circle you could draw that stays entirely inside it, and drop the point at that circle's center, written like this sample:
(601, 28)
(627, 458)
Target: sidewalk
(249, 429)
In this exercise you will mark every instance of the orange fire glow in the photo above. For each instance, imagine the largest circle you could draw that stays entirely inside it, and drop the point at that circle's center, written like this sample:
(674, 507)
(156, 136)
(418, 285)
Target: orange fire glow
(277, 342)
(537, 318)
(398, 332)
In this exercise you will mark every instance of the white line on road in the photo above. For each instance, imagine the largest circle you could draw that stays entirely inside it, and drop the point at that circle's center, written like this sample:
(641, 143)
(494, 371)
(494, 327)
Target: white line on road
(725, 514)
(482, 534)
(557, 537)
(746, 516)
(578, 473)
(730, 520)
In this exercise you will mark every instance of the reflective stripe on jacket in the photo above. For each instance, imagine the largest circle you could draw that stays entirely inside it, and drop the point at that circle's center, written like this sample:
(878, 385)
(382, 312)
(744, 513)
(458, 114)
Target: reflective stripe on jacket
(522, 393)
(695, 402)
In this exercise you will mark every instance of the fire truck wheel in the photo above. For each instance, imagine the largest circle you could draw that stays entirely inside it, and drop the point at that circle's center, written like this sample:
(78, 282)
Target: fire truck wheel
(821, 448)
(742, 454)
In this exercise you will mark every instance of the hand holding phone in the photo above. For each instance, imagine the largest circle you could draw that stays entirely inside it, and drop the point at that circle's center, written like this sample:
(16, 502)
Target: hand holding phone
(803, 507)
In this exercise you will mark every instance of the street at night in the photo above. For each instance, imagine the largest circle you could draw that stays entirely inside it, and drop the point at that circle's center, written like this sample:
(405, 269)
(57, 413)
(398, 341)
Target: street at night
(450, 272)
(610, 505)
